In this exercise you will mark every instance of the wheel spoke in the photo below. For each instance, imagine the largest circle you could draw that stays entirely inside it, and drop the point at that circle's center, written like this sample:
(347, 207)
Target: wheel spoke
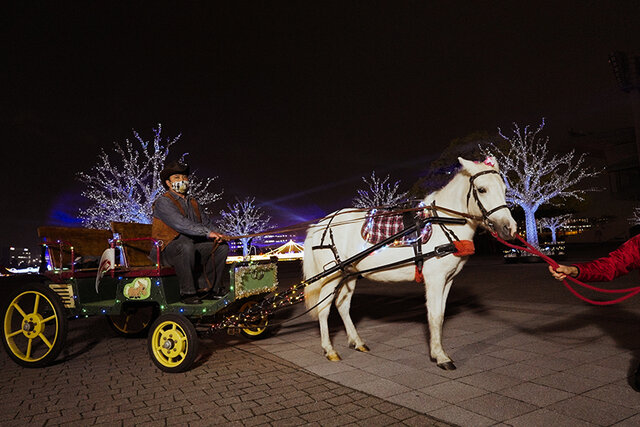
(13, 334)
(45, 340)
(28, 355)
(53, 316)
(17, 307)
(36, 304)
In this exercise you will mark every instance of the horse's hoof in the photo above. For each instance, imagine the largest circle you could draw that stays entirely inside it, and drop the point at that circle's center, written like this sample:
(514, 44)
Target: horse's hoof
(334, 357)
(363, 348)
(447, 366)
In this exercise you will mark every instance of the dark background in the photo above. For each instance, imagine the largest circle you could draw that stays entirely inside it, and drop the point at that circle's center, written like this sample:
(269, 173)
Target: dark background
(291, 102)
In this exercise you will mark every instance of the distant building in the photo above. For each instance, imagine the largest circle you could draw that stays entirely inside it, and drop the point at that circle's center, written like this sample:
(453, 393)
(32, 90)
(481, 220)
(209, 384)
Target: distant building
(13, 257)
(616, 151)
(264, 243)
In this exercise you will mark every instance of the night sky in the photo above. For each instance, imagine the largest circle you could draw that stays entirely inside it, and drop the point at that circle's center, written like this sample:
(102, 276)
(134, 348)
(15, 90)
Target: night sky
(291, 102)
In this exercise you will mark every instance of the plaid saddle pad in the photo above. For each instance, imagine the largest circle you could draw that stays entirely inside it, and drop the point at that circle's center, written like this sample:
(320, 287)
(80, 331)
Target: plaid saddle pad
(380, 224)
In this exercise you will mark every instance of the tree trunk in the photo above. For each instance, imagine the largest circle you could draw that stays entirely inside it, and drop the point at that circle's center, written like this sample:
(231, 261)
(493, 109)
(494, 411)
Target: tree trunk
(245, 247)
(553, 236)
(530, 223)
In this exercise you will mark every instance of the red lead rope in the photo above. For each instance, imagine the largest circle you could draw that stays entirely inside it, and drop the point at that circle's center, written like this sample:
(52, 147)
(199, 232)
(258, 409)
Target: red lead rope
(532, 250)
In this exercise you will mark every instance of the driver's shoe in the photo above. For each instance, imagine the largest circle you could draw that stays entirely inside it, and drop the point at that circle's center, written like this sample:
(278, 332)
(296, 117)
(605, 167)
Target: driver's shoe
(190, 299)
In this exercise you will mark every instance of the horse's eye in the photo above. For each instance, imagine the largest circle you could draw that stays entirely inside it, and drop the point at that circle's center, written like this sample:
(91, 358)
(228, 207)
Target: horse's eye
(482, 190)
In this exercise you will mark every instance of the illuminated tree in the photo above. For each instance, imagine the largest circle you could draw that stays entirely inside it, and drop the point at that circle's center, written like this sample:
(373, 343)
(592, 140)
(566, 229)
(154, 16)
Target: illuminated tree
(554, 223)
(123, 186)
(534, 177)
(380, 193)
(242, 218)
(635, 218)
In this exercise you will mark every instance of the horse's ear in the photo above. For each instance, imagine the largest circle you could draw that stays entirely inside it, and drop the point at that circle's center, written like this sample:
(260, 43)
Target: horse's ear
(467, 165)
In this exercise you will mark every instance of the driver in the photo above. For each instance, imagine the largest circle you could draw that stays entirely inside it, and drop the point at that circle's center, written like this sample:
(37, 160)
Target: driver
(188, 240)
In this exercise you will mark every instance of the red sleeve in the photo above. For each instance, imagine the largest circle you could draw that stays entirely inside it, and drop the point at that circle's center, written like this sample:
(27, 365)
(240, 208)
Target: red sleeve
(618, 263)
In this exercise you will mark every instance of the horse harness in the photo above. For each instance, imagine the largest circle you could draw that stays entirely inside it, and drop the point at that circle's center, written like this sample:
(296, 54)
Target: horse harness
(474, 191)
(455, 245)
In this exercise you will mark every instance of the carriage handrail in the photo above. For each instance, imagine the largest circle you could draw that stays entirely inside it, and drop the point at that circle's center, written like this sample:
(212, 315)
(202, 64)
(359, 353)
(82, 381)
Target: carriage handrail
(61, 242)
(155, 241)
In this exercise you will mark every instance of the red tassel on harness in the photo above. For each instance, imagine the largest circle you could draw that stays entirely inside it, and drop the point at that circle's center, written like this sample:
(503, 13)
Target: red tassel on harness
(464, 248)
(418, 276)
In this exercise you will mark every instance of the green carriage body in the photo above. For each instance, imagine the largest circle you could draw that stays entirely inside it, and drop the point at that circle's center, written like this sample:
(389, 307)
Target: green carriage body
(157, 287)
(35, 318)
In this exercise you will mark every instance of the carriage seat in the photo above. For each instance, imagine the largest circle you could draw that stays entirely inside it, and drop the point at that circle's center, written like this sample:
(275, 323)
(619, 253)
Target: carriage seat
(136, 244)
(87, 245)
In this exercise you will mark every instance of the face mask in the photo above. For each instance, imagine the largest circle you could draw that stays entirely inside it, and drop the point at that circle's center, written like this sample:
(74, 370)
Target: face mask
(180, 186)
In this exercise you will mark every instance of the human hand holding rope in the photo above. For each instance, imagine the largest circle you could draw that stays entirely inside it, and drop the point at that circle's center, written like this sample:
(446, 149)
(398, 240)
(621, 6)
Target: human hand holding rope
(218, 237)
(562, 271)
(554, 266)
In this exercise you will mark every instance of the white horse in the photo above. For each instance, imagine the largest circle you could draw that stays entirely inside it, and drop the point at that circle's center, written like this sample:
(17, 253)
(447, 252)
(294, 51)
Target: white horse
(477, 190)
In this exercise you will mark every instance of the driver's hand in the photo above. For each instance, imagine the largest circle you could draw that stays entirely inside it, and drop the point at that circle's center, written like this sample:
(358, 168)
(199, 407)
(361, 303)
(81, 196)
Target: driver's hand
(217, 236)
(562, 271)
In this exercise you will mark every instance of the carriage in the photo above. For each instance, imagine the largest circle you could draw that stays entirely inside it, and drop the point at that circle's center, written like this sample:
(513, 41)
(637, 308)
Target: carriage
(140, 298)
(137, 297)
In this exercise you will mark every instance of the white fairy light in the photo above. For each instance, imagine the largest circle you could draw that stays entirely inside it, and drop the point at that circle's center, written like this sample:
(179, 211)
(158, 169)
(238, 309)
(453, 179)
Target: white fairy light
(124, 186)
(242, 218)
(534, 177)
(554, 223)
(635, 217)
(380, 193)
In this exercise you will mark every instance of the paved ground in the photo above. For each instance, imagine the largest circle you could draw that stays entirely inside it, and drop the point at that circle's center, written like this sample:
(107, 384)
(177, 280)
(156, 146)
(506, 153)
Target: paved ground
(528, 353)
(107, 380)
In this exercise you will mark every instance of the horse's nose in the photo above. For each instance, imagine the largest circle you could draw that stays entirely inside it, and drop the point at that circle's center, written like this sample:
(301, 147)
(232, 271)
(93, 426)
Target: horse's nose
(507, 230)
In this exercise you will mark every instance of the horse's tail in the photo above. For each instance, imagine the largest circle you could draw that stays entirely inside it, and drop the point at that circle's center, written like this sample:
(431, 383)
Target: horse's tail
(309, 269)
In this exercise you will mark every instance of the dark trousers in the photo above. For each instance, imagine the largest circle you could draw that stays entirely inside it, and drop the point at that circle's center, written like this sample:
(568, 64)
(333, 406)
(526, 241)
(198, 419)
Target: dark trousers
(197, 265)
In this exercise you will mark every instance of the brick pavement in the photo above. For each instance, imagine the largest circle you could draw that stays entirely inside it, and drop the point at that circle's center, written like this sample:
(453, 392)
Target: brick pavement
(109, 380)
(527, 351)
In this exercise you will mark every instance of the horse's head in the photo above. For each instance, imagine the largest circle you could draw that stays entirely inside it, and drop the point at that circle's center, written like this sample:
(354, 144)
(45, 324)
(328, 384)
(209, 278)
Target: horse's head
(486, 196)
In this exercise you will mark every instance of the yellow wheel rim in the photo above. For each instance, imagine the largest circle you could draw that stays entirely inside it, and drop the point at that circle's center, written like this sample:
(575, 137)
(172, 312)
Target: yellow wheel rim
(133, 323)
(169, 344)
(258, 329)
(31, 326)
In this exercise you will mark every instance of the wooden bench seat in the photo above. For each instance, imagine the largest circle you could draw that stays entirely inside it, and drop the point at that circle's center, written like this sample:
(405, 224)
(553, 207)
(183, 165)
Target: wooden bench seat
(86, 243)
(137, 244)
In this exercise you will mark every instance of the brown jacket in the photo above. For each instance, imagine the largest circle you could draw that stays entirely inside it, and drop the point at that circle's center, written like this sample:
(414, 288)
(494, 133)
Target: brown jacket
(161, 231)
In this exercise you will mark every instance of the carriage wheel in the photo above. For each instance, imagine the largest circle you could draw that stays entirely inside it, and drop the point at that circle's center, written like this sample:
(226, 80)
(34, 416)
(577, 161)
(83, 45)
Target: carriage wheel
(173, 343)
(260, 330)
(134, 321)
(35, 326)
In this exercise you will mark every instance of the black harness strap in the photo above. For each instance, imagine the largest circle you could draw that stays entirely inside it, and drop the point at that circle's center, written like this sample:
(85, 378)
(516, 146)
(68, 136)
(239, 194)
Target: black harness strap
(451, 236)
(413, 219)
(441, 250)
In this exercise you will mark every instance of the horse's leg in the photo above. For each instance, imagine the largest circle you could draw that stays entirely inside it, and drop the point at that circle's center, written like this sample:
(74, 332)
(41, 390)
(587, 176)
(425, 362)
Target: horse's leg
(343, 303)
(324, 308)
(436, 292)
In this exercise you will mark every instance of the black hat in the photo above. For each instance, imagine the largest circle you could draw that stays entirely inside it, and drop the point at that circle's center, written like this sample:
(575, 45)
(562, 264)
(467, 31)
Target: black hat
(173, 168)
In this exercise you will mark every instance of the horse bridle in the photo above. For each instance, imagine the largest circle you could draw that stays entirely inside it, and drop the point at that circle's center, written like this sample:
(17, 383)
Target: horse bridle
(472, 190)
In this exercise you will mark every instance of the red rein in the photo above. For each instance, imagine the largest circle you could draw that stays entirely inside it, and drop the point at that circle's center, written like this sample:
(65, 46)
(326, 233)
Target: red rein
(530, 249)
